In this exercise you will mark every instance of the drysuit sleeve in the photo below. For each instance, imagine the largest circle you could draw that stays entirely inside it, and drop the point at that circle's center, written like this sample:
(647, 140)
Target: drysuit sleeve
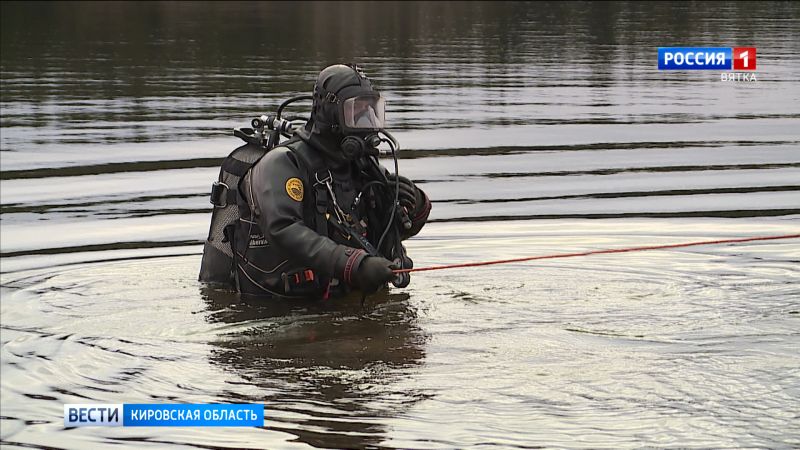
(278, 188)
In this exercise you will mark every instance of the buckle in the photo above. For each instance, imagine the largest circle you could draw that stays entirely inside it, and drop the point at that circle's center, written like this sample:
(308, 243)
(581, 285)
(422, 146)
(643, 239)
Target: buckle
(331, 97)
(326, 181)
(219, 197)
(301, 282)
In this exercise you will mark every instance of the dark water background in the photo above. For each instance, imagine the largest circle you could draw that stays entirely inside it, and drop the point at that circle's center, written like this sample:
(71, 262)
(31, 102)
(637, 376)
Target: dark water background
(535, 128)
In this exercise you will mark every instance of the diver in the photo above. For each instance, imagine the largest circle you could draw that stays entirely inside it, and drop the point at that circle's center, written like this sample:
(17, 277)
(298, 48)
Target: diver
(316, 216)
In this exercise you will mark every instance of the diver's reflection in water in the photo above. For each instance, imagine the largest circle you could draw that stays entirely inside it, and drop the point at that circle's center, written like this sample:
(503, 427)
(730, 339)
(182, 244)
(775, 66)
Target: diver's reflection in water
(328, 371)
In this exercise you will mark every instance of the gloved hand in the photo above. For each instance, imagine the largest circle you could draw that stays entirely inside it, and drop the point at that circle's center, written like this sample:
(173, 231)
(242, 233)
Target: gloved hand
(372, 273)
(409, 194)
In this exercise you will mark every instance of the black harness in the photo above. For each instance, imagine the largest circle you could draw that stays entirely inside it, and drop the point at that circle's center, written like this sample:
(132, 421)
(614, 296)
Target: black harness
(236, 251)
(229, 242)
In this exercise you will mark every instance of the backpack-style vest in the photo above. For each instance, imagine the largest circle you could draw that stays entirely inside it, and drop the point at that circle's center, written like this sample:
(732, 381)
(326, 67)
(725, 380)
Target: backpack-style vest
(230, 251)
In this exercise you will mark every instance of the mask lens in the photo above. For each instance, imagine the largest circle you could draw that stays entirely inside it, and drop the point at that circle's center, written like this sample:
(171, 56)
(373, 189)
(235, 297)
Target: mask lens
(365, 112)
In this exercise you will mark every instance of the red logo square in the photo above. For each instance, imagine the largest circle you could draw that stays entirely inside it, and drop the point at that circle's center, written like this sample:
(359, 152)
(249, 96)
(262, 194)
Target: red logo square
(744, 58)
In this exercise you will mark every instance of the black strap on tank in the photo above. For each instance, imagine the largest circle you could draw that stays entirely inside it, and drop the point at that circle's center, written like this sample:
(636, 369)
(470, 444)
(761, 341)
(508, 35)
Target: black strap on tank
(235, 167)
(222, 194)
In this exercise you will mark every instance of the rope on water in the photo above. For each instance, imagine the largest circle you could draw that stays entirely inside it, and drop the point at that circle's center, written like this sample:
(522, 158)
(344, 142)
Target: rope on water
(600, 252)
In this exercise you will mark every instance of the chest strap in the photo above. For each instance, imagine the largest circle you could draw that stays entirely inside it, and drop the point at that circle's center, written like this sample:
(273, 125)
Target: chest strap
(316, 208)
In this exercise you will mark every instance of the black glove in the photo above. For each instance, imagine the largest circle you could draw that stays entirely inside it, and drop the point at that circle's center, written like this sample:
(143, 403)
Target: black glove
(409, 194)
(372, 273)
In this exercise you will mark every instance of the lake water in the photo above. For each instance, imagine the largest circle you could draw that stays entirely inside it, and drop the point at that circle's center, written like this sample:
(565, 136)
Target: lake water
(534, 128)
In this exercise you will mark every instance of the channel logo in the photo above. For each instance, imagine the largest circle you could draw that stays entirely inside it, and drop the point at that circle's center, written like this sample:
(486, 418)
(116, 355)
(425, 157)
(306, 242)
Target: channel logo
(707, 58)
(98, 415)
(163, 415)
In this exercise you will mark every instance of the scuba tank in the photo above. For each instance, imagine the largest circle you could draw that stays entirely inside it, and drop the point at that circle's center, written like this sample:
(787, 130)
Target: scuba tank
(217, 265)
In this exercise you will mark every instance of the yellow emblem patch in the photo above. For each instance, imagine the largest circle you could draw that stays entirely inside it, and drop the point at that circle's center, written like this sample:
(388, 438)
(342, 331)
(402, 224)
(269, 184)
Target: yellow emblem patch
(294, 187)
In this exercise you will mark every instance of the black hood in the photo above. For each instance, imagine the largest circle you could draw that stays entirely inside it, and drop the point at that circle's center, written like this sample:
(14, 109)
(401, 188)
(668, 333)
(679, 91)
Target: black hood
(323, 131)
(334, 85)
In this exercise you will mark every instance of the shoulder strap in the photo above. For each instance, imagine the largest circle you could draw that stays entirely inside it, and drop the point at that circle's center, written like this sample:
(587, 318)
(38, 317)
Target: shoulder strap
(316, 207)
(235, 166)
(233, 169)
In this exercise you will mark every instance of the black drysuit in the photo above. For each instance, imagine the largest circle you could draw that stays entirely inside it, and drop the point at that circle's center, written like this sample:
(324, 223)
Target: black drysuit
(292, 242)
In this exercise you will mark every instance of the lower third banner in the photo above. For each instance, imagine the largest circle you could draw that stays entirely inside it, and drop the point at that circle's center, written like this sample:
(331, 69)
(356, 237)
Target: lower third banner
(164, 415)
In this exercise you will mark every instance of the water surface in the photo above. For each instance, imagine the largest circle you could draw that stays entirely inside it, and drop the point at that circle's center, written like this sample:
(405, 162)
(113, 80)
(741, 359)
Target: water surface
(535, 129)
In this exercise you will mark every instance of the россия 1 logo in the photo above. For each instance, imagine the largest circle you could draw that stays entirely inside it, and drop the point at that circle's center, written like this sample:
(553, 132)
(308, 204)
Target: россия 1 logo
(711, 58)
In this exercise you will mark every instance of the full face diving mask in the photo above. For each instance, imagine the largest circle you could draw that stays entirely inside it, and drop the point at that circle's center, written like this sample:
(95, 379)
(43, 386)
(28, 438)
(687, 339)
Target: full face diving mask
(361, 117)
(363, 113)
